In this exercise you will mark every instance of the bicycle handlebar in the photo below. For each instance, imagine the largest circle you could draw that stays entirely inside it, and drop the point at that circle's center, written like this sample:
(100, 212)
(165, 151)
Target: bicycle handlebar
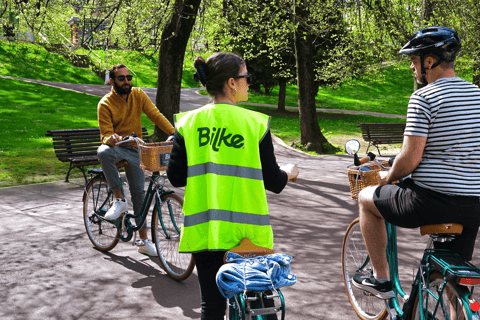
(370, 157)
(131, 138)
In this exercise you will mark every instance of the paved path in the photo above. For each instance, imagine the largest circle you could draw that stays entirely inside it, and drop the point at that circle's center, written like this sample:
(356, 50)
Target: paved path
(377, 114)
(49, 269)
(189, 99)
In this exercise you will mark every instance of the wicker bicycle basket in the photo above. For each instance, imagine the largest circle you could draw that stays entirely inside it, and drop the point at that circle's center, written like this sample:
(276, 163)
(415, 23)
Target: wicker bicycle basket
(154, 156)
(360, 179)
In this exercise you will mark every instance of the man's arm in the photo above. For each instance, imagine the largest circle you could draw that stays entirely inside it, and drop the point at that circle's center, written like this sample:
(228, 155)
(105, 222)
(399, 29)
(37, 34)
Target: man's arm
(107, 135)
(156, 116)
(407, 160)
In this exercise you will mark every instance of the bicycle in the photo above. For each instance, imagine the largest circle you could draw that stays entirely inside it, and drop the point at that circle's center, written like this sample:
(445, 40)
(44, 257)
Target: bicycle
(443, 285)
(166, 212)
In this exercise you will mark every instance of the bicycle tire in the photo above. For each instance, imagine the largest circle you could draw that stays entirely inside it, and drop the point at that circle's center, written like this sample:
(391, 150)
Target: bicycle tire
(103, 235)
(166, 236)
(354, 255)
(454, 301)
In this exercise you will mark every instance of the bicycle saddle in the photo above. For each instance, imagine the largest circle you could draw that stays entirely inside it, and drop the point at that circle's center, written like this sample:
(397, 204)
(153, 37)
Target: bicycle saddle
(249, 250)
(444, 228)
(121, 164)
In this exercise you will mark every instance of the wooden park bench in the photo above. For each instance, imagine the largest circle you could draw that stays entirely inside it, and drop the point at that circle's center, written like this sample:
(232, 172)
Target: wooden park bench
(382, 133)
(78, 147)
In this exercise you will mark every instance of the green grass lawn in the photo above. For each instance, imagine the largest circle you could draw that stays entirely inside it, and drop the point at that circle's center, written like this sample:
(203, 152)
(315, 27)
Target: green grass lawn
(386, 90)
(26, 60)
(28, 111)
(144, 65)
(336, 127)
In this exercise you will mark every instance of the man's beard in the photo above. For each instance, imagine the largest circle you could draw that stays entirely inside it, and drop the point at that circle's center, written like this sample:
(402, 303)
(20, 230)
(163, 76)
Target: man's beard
(121, 89)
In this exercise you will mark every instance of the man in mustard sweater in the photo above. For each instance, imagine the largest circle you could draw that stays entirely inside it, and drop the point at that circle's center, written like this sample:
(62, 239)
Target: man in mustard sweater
(119, 115)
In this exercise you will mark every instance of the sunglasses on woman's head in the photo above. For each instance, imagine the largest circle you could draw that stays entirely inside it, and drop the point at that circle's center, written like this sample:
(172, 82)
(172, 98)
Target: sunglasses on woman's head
(122, 77)
(246, 76)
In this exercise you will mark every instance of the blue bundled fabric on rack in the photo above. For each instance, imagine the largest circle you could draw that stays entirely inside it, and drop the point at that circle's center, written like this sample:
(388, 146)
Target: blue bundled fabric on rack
(260, 273)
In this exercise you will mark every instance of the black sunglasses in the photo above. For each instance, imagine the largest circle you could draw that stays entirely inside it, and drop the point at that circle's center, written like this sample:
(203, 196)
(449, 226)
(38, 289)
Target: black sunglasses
(122, 77)
(246, 76)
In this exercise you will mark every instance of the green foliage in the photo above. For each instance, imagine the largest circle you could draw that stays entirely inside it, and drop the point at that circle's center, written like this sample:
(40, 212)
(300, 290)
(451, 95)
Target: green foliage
(138, 24)
(257, 30)
(381, 27)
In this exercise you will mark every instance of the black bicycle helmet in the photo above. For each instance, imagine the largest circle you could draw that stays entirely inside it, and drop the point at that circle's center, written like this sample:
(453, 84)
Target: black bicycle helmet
(441, 42)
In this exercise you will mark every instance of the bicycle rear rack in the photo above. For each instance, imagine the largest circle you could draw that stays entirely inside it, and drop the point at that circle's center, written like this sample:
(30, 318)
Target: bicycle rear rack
(453, 267)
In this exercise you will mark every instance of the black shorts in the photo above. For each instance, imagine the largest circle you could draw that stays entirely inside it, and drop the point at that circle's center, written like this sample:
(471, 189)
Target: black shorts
(411, 206)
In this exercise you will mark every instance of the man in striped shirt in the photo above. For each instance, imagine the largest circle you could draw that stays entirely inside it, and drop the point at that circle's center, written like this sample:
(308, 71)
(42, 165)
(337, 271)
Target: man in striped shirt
(441, 150)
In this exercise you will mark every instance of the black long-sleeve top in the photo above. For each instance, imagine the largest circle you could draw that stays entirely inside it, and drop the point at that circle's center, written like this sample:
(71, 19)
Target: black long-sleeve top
(274, 178)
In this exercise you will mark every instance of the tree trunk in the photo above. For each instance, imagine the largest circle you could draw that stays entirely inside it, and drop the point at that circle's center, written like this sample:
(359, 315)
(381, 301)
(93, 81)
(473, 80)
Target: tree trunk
(174, 42)
(310, 133)
(282, 92)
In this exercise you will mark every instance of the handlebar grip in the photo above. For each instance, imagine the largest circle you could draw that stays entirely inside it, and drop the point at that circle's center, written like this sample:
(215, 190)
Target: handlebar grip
(370, 157)
(364, 160)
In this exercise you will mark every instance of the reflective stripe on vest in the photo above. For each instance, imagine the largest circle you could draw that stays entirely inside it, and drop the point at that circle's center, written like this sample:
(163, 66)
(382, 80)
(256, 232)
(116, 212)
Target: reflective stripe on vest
(224, 215)
(224, 170)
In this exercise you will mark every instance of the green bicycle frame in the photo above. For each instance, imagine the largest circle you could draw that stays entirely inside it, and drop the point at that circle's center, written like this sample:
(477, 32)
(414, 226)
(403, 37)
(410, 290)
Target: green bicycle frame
(422, 280)
(149, 195)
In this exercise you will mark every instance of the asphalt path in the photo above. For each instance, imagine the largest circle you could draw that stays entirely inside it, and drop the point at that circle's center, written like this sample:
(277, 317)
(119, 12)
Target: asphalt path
(189, 98)
(50, 270)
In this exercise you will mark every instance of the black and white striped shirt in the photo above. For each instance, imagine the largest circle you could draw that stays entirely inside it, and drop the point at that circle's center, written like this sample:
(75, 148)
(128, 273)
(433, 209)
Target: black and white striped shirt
(447, 112)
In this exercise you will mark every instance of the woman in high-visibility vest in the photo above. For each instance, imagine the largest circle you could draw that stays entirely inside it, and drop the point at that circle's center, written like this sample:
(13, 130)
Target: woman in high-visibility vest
(223, 155)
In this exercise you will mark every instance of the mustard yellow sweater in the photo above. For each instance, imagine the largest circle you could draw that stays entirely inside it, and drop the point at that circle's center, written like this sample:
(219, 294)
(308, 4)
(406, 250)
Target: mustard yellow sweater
(116, 115)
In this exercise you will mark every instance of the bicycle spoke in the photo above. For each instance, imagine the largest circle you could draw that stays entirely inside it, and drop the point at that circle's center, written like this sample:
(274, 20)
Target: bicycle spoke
(441, 301)
(166, 234)
(355, 259)
(102, 234)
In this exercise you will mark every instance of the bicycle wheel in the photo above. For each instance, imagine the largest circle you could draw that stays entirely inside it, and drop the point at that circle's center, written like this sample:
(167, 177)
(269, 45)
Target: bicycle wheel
(450, 307)
(355, 259)
(166, 235)
(97, 199)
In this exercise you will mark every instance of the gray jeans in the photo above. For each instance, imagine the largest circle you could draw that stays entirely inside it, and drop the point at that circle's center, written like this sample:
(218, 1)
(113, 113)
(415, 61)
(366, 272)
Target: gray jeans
(108, 156)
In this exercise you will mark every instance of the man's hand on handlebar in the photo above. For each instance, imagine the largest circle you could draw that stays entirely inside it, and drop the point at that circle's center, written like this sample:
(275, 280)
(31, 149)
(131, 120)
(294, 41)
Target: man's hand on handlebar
(291, 170)
(114, 138)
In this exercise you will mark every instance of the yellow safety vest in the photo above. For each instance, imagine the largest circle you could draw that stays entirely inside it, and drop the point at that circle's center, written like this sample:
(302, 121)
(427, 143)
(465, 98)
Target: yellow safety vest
(225, 198)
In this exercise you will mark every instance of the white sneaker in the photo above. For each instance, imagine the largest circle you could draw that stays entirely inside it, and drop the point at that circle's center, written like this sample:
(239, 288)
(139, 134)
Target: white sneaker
(147, 247)
(119, 206)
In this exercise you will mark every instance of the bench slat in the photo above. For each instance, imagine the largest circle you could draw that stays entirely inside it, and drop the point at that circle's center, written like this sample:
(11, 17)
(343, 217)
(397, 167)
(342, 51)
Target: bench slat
(382, 133)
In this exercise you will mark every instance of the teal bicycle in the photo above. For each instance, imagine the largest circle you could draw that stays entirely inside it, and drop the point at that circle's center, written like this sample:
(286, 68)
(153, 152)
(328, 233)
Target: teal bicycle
(165, 205)
(443, 285)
